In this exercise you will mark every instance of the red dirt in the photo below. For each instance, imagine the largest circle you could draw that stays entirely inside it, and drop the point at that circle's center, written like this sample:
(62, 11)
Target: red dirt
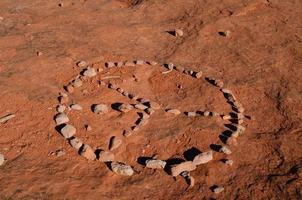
(260, 60)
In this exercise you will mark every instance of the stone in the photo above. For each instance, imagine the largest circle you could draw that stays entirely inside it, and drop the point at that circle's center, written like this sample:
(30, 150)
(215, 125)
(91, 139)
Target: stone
(179, 32)
(112, 86)
(2, 159)
(191, 114)
(77, 83)
(198, 74)
(133, 96)
(89, 72)
(155, 164)
(149, 111)
(226, 117)
(82, 63)
(114, 143)
(127, 133)
(173, 111)
(129, 64)
(153, 63)
(76, 143)
(179, 68)
(61, 108)
(63, 99)
(170, 66)
(61, 118)
(100, 109)
(218, 189)
(87, 152)
(119, 64)
(69, 88)
(229, 162)
(68, 131)
(76, 107)
(184, 166)
(6, 118)
(226, 91)
(206, 113)
(219, 83)
(110, 64)
(225, 149)
(154, 105)
(139, 62)
(106, 156)
(60, 152)
(203, 158)
(125, 107)
(120, 90)
(122, 169)
(140, 106)
(88, 128)
(125, 93)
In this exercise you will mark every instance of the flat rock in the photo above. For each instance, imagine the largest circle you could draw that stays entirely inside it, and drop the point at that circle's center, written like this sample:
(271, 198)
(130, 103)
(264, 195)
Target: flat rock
(114, 143)
(155, 164)
(100, 109)
(184, 166)
(106, 156)
(61, 118)
(68, 131)
(88, 152)
(122, 169)
(203, 158)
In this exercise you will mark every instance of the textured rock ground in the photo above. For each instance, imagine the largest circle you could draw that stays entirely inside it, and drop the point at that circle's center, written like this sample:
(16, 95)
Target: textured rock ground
(254, 46)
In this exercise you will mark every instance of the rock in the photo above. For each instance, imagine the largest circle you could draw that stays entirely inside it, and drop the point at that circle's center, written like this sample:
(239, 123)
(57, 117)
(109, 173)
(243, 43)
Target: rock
(6, 118)
(61, 118)
(139, 62)
(184, 166)
(153, 63)
(69, 88)
(114, 143)
(140, 106)
(77, 83)
(232, 141)
(198, 74)
(82, 63)
(68, 131)
(89, 72)
(76, 107)
(229, 162)
(76, 143)
(206, 113)
(154, 105)
(170, 66)
(173, 111)
(87, 152)
(60, 152)
(120, 90)
(122, 169)
(112, 86)
(125, 93)
(119, 64)
(149, 111)
(63, 99)
(2, 159)
(155, 164)
(179, 32)
(191, 114)
(88, 128)
(218, 189)
(61, 108)
(179, 68)
(203, 158)
(226, 91)
(100, 109)
(125, 107)
(130, 64)
(133, 96)
(219, 83)
(226, 117)
(109, 64)
(106, 156)
(127, 133)
(225, 150)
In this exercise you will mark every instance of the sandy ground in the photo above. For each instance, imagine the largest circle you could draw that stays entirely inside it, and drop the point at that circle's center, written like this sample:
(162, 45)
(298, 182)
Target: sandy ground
(259, 59)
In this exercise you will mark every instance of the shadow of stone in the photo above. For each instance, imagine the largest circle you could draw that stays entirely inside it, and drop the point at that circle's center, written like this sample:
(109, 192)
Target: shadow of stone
(142, 160)
(215, 147)
(115, 106)
(173, 33)
(191, 153)
(170, 162)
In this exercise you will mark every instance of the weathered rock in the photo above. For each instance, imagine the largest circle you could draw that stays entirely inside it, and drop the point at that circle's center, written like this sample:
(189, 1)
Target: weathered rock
(2, 159)
(106, 156)
(76, 107)
(206, 113)
(130, 64)
(89, 72)
(225, 149)
(119, 64)
(120, 90)
(155, 164)
(198, 74)
(122, 169)
(203, 158)
(6, 118)
(100, 109)
(76, 143)
(61, 108)
(125, 93)
(226, 117)
(184, 166)
(218, 189)
(68, 131)
(114, 143)
(61, 118)
(82, 63)
(153, 63)
(173, 111)
(179, 68)
(127, 133)
(87, 152)
(133, 96)
(60, 152)
(125, 107)
(170, 66)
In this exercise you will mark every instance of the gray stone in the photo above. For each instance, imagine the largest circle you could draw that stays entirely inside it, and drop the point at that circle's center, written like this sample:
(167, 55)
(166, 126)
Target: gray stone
(122, 169)
(155, 164)
(68, 131)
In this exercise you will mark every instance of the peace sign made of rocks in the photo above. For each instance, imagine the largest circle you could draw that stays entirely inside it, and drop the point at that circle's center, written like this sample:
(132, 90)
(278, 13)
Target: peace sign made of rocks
(145, 108)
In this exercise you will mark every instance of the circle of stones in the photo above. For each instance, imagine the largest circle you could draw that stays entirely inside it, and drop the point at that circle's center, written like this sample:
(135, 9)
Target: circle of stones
(147, 108)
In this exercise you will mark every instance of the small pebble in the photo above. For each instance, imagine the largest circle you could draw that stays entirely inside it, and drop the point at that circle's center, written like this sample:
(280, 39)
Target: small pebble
(229, 162)
(155, 164)
(198, 74)
(100, 109)
(68, 131)
(149, 111)
(119, 64)
(130, 64)
(76, 107)
(87, 152)
(140, 106)
(153, 63)
(127, 133)
(120, 90)
(173, 111)
(63, 99)
(88, 128)
(61, 118)
(206, 113)
(106, 156)
(191, 114)
(112, 86)
(110, 64)
(60, 152)
(139, 62)
(114, 143)
(122, 169)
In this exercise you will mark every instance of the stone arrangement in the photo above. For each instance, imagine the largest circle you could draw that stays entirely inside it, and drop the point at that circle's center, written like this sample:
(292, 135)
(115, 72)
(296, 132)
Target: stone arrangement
(145, 109)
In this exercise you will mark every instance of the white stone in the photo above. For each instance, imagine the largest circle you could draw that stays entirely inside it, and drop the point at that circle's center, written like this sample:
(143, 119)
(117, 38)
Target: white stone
(155, 164)
(114, 143)
(87, 152)
(140, 106)
(225, 149)
(179, 32)
(184, 166)
(139, 62)
(122, 169)
(218, 190)
(125, 107)
(173, 111)
(61, 118)
(82, 63)
(100, 109)
(77, 83)
(76, 143)
(61, 108)
(90, 72)
(2, 159)
(203, 158)
(76, 107)
(68, 131)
